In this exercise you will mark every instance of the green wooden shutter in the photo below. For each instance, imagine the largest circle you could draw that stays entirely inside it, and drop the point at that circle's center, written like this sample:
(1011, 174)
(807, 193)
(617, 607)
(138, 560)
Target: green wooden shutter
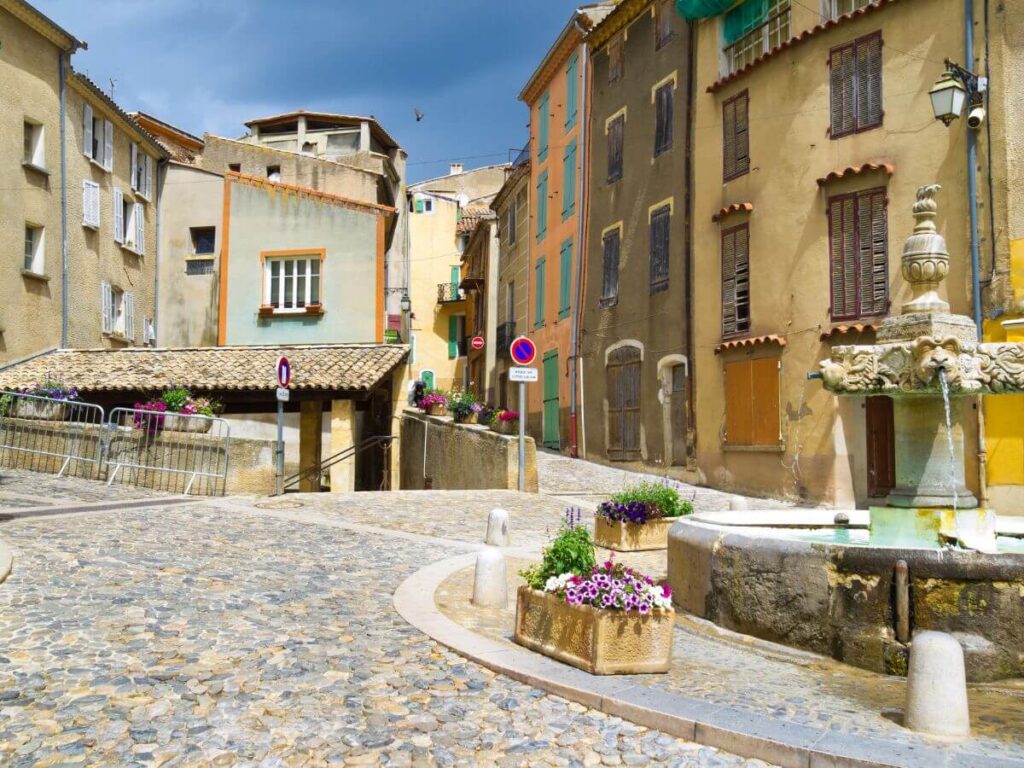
(569, 181)
(572, 91)
(564, 279)
(453, 337)
(455, 275)
(419, 206)
(543, 129)
(542, 206)
(538, 296)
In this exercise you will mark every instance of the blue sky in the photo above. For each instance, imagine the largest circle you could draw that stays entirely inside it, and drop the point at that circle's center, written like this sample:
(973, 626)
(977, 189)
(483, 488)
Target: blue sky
(208, 65)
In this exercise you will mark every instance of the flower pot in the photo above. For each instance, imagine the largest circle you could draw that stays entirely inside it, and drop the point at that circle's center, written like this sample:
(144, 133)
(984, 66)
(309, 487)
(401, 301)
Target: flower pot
(632, 537)
(597, 641)
(44, 410)
(181, 422)
(506, 427)
(468, 418)
(438, 410)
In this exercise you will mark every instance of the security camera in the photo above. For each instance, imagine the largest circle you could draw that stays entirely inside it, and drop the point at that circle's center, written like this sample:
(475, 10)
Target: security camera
(976, 117)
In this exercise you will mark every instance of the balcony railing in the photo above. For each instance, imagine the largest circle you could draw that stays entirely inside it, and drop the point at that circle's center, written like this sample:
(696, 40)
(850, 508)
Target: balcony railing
(506, 333)
(448, 293)
(523, 157)
(758, 41)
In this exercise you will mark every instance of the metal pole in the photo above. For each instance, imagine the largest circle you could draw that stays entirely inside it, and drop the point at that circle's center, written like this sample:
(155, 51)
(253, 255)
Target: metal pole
(972, 174)
(522, 436)
(280, 447)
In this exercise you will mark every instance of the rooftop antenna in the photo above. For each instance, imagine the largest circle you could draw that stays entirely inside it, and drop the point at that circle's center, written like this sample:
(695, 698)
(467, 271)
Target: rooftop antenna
(113, 82)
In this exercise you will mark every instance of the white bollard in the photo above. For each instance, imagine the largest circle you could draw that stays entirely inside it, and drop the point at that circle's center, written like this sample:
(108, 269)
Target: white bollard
(490, 580)
(737, 503)
(937, 687)
(497, 528)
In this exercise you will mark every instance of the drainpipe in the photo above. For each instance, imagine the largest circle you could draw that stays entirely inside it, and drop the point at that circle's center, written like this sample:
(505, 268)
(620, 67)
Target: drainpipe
(161, 167)
(691, 99)
(64, 291)
(574, 359)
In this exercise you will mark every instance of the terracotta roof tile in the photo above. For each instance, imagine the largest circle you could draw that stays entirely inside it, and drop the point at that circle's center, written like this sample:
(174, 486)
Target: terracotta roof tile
(752, 341)
(326, 366)
(855, 170)
(841, 331)
(732, 208)
(473, 215)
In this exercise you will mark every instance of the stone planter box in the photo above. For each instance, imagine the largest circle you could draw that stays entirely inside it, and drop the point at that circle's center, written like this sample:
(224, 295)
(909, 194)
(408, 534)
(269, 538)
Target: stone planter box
(505, 427)
(39, 409)
(470, 418)
(438, 410)
(599, 642)
(176, 422)
(632, 537)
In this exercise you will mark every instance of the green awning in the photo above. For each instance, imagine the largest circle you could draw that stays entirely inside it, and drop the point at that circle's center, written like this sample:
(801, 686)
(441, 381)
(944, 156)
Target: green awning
(744, 18)
(702, 9)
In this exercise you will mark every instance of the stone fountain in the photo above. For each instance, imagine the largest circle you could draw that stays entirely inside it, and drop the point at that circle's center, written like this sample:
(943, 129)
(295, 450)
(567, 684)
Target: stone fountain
(855, 585)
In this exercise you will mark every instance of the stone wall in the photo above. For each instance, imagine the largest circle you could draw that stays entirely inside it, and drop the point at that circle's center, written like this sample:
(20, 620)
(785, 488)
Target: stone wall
(460, 456)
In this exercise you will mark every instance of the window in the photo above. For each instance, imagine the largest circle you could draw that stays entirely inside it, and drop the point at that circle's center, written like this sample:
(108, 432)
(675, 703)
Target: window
(842, 7)
(565, 279)
(855, 77)
(423, 205)
(735, 136)
(510, 222)
(616, 60)
(142, 171)
(542, 206)
(543, 127)
(610, 273)
(510, 303)
(569, 181)
(753, 28)
(736, 281)
(662, 24)
(660, 221)
(291, 283)
(752, 412)
(34, 249)
(663, 118)
(274, 172)
(859, 254)
(90, 204)
(572, 84)
(309, 148)
(35, 147)
(203, 240)
(97, 138)
(456, 336)
(616, 135)
(235, 167)
(199, 266)
(118, 311)
(129, 223)
(538, 296)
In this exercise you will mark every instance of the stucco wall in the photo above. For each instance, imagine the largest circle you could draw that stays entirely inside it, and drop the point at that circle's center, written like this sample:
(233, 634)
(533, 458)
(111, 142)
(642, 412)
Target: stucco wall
(460, 457)
(274, 220)
(513, 267)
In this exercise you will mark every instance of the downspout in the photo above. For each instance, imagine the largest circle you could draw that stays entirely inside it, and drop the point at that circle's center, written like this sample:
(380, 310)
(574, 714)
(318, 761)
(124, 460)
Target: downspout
(688, 242)
(161, 167)
(574, 360)
(64, 291)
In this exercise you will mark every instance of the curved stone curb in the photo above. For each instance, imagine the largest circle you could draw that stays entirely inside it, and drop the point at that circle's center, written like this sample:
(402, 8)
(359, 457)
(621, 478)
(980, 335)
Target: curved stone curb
(6, 561)
(733, 730)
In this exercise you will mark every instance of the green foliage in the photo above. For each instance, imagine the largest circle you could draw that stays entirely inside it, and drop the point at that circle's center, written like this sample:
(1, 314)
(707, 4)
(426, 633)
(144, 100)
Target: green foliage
(175, 399)
(664, 497)
(6, 401)
(572, 551)
(462, 403)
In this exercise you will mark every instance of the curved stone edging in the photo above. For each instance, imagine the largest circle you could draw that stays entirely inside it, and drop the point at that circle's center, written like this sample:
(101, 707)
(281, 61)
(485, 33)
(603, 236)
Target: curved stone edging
(6, 561)
(740, 732)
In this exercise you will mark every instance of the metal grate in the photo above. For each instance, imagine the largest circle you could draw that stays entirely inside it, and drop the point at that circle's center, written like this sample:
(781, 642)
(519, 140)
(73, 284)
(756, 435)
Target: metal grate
(199, 267)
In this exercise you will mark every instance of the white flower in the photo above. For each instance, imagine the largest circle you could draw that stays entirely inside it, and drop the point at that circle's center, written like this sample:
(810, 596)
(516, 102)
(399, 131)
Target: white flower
(557, 583)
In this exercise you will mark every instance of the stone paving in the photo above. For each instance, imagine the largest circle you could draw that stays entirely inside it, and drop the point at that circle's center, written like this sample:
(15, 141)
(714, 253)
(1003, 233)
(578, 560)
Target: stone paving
(20, 489)
(223, 634)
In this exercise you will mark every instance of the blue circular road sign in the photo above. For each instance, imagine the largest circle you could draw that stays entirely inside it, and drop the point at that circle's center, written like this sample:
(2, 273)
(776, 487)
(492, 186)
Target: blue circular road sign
(523, 351)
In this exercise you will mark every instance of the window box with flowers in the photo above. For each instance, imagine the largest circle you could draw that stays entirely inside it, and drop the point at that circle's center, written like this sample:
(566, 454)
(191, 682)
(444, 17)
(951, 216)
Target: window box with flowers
(638, 518)
(176, 410)
(603, 618)
(46, 401)
(434, 403)
(464, 407)
(505, 422)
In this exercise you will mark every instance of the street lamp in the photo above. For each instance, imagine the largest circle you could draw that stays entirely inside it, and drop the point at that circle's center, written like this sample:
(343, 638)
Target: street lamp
(406, 303)
(948, 97)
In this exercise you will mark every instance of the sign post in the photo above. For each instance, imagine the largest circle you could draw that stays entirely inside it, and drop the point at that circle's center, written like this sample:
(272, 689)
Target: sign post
(523, 352)
(283, 371)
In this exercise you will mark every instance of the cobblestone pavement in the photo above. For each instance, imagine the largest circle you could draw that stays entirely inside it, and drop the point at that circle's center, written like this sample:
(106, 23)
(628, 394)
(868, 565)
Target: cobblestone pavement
(222, 634)
(20, 489)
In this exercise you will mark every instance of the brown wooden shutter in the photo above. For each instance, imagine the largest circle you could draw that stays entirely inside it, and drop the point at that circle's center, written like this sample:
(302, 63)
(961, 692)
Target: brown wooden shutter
(742, 133)
(844, 257)
(615, 139)
(729, 140)
(622, 376)
(729, 283)
(869, 81)
(739, 429)
(842, 64)
(742, 279)
(765, 422)
(663, 119)
(874, 252)
(659, 248)
(610, 283)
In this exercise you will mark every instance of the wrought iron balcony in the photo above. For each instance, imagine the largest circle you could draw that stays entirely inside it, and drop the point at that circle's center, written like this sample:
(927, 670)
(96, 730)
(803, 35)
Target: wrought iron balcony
(523, 157)
(506, 333)
(448, 293)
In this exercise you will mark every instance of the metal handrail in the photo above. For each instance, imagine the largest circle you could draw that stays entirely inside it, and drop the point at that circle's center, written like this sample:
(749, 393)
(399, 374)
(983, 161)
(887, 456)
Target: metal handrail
(316, 470)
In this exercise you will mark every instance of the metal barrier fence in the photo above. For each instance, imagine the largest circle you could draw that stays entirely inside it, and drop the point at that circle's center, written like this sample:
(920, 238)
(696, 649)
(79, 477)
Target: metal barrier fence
(168, 451)
(43, 434)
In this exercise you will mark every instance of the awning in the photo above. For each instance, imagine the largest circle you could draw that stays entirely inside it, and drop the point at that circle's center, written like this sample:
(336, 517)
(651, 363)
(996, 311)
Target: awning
(702, 9)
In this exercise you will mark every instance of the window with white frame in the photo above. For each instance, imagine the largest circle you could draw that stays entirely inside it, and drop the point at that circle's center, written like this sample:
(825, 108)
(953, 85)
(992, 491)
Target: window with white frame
(839, 8)
(91, 204)
(291, 283)
(141, 171)
(118, 311)
(34, 249)
(97, 138)
(35, 147)
(129, 223)
(423, 204)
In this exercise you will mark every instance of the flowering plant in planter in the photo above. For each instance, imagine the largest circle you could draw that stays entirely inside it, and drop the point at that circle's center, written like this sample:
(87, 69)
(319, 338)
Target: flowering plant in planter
(171, 410)
(465, 407)
(570, 552)
(52, 389)
(639, 517)
(435, 402)
(611, 586)
(504, 422)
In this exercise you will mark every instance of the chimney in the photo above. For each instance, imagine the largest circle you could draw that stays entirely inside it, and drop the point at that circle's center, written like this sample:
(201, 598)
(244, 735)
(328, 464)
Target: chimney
(454, 168)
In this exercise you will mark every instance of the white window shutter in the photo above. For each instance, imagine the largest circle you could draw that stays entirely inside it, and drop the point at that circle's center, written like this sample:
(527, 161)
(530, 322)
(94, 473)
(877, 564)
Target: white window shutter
(140, 228)
(135, 164)
(108, 145)
(118, 216)
(129, 316)
(87, 130)
(96, 205)
(107, 306)
(86, 203)
(149, 177)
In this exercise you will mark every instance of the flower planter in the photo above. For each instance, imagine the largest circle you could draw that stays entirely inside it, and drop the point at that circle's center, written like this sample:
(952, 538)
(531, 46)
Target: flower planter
(632, 537)
(43, 410)
(599, 642)
(438, 410)
(506, 427)
(178, 422)
(469, 418)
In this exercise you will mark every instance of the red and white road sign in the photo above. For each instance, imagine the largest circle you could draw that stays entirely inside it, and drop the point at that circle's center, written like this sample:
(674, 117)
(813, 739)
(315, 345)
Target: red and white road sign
(477, 342)
(523, 350)
(283, 370)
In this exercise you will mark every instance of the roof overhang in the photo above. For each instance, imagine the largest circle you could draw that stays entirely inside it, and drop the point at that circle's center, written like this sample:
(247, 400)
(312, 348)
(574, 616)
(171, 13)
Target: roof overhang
(44, 25)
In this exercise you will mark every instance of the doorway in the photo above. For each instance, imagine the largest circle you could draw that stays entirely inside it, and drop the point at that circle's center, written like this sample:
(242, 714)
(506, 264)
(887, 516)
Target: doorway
(623, 387)
(881, 446)
(552, 408)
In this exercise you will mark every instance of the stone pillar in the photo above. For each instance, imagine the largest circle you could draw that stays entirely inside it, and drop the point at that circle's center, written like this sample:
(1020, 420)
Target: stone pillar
(310, 428)
(925, 477)
(343, 435)
(364, 137)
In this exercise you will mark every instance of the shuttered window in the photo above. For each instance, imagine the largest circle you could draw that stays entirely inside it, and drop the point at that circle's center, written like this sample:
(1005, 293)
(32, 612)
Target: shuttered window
(569, 181)
(735, 136)
(616, 60)
(610, 280)
(91, 204)
(859, 254)
(565, 279)
(616, 135)
(542, 206)
(660, 221)
(538, 295)
(736, 281)
(663, 118)
(855, 77)
(544, 127)
(752, 411)
(572, 91)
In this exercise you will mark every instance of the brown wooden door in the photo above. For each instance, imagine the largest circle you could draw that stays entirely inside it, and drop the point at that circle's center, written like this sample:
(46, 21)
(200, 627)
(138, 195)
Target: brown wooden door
(881, 446)
(623, 381)
(679, 422)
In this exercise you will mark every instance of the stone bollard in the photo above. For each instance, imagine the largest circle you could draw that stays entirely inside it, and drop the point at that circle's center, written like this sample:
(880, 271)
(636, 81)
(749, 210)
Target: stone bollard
(737, 503)
(937, 687)
(497, 528)
(490, 581)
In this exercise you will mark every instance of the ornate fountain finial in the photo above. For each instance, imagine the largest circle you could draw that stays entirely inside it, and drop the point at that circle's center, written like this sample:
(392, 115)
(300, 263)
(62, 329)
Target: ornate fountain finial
(925, 258)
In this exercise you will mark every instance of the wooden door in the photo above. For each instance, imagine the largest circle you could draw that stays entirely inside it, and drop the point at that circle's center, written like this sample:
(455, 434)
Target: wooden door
(881, 447)
(623, 392)
(552, 408)
(678, 421)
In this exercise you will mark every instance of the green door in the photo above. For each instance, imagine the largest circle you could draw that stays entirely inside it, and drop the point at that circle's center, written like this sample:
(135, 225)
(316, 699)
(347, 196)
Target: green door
(552, 438)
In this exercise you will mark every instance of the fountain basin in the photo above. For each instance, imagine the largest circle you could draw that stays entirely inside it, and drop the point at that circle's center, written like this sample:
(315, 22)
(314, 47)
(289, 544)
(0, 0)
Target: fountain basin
(804, 582)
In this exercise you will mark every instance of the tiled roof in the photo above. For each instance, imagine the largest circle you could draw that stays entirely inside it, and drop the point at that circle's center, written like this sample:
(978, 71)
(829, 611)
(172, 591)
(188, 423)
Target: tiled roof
(798, 38)
(855, 170)
(753, 341)
(324, 366)
(732, 208)
(126, 119)
(471, 216)
(345, 202)
(841, 331)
